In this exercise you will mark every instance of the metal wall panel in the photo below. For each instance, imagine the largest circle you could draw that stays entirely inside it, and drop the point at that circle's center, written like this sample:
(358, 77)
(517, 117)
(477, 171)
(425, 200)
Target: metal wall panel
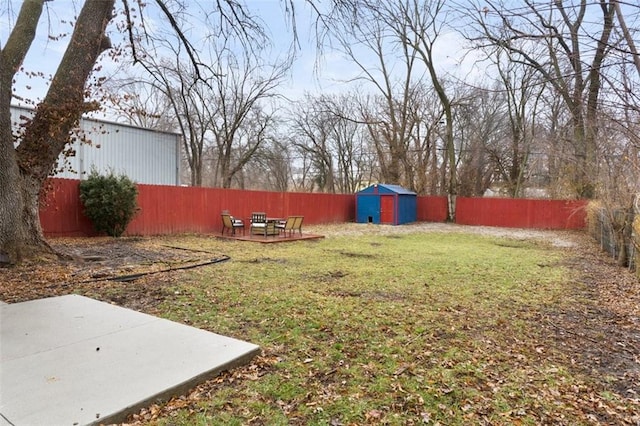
(407, 208)
(368, 206)
(144, 155)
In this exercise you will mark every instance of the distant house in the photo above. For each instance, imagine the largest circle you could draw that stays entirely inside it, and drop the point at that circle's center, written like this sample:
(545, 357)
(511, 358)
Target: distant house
(386, 204)
(144, 155)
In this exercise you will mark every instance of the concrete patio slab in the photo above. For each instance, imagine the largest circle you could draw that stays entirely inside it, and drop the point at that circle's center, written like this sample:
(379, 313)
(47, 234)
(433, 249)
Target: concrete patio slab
(71, 360)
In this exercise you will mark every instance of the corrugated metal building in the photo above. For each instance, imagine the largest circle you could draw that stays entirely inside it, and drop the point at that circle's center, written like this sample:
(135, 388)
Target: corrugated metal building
(386, 204)
(144, 155)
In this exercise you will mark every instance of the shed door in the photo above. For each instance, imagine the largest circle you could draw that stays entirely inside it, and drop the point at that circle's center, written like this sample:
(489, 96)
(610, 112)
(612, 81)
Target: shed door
(386, 209)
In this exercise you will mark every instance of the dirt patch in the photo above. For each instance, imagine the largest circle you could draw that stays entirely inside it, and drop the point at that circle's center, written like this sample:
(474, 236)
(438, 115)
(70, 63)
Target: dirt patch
(357, 255)
(136, 273)
(329, 276)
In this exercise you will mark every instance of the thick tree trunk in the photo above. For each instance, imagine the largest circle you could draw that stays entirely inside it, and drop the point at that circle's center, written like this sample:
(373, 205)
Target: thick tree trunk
(11, 203)
(13, 235)
(24, 170)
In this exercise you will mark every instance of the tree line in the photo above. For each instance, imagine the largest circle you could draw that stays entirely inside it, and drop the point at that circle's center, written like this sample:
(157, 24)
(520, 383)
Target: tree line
(555, 111)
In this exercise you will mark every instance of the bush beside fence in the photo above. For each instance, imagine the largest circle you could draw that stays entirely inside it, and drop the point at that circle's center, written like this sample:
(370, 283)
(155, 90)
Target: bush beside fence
(175, 210)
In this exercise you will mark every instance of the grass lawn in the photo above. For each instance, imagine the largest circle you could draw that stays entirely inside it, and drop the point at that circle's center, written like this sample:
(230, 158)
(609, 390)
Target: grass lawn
(430, 328)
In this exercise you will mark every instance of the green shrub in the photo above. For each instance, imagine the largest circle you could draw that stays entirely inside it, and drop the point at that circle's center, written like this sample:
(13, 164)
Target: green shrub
(109, 201)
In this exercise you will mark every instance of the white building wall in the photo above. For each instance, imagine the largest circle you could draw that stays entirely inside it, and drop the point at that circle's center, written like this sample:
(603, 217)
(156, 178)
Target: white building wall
(144, 155)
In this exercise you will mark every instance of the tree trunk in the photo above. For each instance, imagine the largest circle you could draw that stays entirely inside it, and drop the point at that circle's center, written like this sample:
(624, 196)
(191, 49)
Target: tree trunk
(24, 170)
(593, 107)
(13, 237)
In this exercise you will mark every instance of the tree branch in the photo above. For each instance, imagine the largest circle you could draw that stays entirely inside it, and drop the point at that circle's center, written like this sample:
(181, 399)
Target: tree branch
(48, 133)
(22, 36)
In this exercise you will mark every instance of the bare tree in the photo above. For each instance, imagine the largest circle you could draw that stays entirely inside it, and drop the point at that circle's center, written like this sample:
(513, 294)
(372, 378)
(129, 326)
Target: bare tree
(303, 175)
(627, 34)
(24, 169)
(174, 102)
(395, 79)
(479, 128)
(325, 132)
(556, 41)
(187, 96)
(349, 141)
(240, 114)
(139, 104)
(522, 92)
(311, 127)
(425, 151)
(418, 25)
(271, 168)
(215, 106)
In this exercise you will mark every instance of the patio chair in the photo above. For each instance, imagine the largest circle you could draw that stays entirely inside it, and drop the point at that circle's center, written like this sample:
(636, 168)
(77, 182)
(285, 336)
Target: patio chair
(287, 226)
(228, 222)
(258, 224)
(298, 224)
(233, 218)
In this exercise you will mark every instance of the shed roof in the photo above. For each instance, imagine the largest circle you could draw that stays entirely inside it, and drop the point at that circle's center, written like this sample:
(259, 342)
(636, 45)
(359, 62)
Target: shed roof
(393, 188)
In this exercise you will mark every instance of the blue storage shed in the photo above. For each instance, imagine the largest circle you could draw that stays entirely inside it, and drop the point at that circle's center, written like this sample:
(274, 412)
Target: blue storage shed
(386, 204)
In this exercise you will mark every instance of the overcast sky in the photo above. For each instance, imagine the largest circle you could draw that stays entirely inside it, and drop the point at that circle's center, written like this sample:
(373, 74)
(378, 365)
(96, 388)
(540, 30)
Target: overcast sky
(311, 72)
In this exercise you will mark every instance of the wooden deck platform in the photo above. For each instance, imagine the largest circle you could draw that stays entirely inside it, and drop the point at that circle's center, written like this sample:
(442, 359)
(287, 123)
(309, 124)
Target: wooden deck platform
(271, 239)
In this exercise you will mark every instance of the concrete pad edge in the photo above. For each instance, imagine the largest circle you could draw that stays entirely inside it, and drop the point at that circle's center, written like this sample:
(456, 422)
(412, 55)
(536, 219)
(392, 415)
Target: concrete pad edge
(176, 390)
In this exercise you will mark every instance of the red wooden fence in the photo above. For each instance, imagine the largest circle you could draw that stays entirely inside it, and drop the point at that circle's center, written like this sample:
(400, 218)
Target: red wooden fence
(61, 211)
(521, 213)
(174, 209)
(431, 209)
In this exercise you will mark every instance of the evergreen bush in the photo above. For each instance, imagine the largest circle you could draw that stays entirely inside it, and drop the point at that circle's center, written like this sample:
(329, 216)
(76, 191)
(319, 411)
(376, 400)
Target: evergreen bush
(109, 201)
